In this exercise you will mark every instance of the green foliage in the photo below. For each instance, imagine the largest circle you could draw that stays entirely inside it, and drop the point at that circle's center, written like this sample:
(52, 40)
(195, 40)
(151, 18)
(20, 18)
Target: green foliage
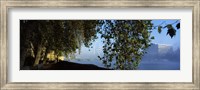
(62, 36)
(125, 42)
(152, 37)
(159, 29)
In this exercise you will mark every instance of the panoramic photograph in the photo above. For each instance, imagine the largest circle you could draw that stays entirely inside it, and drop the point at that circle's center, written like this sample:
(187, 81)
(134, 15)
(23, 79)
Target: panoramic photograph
(100, 44)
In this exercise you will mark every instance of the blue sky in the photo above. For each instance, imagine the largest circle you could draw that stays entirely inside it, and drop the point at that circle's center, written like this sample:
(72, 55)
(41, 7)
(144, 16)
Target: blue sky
(162, 38)
(90, 57)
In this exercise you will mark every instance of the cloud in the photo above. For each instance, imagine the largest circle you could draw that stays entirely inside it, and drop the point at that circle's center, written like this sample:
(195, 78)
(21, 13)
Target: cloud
(161, 57)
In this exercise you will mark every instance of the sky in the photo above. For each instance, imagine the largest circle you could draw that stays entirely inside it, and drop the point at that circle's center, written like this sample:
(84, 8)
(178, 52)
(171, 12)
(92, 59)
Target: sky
(161, 39)
(156, 63)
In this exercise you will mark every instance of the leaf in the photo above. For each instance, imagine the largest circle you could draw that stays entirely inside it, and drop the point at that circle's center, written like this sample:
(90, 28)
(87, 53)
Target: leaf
(100, 32)
(159, 29)
(171, 32)
(104, 61)
(113, 50)
(169, 26)
(105, 52)
(99, 57)
(102, 36)
(152, 37)
(116, 57)
(178, 26)
(126, 26)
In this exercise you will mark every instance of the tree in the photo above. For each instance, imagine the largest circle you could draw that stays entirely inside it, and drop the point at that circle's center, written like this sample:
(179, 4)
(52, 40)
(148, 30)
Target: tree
(62, 36)
(125, 42)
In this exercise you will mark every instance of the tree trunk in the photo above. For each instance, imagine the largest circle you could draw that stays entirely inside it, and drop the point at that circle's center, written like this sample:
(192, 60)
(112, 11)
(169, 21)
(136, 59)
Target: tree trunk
(38, 56)
(45, 56)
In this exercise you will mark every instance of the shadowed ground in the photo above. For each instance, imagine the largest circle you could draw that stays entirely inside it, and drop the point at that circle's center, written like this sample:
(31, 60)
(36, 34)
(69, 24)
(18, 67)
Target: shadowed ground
(65, 65)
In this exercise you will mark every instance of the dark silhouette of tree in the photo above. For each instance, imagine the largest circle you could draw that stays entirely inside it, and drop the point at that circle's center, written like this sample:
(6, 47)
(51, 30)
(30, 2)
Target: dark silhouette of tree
(59, 35)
